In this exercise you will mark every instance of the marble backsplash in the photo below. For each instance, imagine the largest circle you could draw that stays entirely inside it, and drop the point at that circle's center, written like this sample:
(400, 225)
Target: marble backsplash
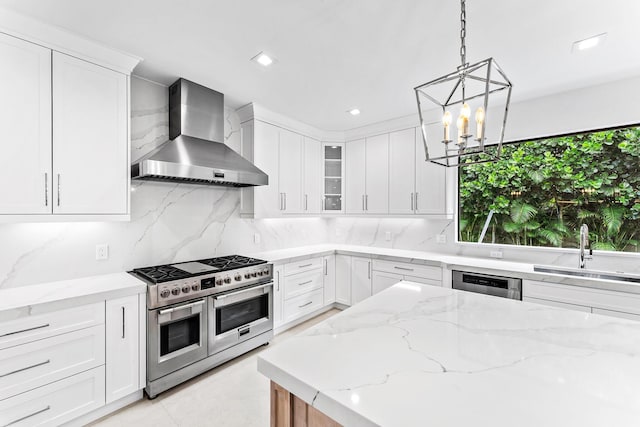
(176, 222)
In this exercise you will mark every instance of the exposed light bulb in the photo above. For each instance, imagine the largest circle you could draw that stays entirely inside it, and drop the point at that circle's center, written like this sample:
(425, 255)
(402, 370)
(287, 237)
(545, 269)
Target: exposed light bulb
(465, 111)
(479, 123)
(480, 115)
(446, 120)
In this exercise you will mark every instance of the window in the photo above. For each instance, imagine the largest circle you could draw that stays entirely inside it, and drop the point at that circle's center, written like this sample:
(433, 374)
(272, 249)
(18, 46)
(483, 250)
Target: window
(541, 191)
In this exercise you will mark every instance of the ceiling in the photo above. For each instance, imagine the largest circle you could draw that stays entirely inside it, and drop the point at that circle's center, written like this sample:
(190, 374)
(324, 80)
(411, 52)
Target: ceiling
(333, 55)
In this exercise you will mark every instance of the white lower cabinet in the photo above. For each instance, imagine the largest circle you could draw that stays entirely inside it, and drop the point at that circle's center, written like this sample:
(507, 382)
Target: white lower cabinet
(278, 278)
(300, 289)
(343, 279)
(360, 279)
(56, 403)
(388, 273)
(64, 364)
(597, 301)
(302, 305)
(122, 338)
(382, 280)
(329, 279)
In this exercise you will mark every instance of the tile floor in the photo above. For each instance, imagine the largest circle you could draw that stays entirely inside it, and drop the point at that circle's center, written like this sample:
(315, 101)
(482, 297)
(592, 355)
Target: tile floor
(234, 394)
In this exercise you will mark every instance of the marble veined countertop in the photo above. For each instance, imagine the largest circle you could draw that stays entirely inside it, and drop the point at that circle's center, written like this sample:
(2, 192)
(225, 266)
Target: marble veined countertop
(416, 355)
(43, 297)
(451, 262)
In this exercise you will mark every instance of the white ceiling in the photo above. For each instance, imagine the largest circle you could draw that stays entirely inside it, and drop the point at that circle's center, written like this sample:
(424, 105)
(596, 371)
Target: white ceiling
(337, 54)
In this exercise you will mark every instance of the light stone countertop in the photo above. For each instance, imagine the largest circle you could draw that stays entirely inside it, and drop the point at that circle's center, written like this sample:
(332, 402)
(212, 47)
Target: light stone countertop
(45, 297)
(417, 355)
(451, 262)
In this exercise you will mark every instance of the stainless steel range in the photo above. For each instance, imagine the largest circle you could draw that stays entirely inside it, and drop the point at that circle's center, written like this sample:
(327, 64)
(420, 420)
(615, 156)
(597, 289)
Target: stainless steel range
(203, 313)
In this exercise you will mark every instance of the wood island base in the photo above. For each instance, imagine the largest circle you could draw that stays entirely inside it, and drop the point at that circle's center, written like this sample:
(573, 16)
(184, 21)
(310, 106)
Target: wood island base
(288, 410)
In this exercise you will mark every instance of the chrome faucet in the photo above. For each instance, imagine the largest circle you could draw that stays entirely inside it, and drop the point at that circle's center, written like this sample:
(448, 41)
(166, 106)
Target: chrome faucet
(584, 242)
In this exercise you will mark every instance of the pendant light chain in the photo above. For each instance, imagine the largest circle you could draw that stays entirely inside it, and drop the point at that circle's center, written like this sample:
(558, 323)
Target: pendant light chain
(463, 33)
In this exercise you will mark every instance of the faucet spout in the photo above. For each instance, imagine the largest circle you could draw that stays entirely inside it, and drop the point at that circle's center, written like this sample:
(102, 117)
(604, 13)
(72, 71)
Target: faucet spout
(584, 242)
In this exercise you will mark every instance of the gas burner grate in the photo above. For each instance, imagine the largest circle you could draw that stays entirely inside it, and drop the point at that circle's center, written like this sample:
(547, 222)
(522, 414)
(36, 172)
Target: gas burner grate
(232, 262)
(162, 273)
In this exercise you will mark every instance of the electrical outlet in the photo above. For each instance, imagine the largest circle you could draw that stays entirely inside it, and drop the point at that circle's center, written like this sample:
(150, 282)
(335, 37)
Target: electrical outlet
(441, 238)
(387, 236)
(256, 238)
(102, 251)
(496, 254)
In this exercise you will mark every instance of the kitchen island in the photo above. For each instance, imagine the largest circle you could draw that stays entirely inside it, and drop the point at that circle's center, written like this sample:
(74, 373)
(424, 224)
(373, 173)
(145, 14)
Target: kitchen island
(418, 355)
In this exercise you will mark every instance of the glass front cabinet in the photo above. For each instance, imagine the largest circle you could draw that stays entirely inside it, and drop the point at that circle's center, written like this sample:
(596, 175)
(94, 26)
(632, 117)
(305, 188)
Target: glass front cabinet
(333, 177)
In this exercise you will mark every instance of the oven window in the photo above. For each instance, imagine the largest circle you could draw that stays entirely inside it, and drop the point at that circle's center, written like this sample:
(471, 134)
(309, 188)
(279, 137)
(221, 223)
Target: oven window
(235, 315)
(179, 334)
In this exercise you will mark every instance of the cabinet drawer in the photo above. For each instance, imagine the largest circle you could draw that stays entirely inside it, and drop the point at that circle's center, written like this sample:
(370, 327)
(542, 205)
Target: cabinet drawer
(303, 304)
(55, 403)
(41, 362)
(597, 298)
(574, 307)
(424, 281)
(299, 284)
(618, 314)
(304, 265)
(407, 269)
(32, 328)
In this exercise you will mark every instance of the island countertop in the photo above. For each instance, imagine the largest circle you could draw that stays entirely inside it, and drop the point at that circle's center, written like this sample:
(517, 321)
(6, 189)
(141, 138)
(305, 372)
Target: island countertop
(418, 355)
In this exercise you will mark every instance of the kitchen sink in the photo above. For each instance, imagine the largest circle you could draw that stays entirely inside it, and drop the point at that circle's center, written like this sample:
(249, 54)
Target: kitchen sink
(592, 274)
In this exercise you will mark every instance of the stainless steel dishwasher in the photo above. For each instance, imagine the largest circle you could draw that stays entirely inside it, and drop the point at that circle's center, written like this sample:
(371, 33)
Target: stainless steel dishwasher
(499, 286)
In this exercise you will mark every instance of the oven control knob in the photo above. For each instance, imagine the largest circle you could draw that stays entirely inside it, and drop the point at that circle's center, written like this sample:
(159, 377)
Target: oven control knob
(247, 276)
(194, 287)
(266, 272)
(175, 291)
(227, 280)
(219, 282)
(259, 273)
(186, 289)
(165, 293)
(238, 278)
(253, 274)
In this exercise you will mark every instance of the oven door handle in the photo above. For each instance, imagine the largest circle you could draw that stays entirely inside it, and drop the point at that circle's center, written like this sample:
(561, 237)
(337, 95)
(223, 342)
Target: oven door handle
(233, 297)
(181, 307)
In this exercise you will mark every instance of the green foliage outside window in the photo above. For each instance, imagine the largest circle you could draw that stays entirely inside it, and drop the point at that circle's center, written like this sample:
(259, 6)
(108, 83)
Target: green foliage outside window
(541, 191)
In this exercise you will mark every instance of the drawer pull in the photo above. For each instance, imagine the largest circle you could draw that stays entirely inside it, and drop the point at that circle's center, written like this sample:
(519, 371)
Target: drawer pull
(25, 330)
(403, 268)
(306, 265)
(305, 283)
(33, 414)
(24, 369)
(304, 305)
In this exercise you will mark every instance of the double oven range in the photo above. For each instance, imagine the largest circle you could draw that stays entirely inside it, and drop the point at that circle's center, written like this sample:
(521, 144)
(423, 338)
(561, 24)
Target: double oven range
(203, 313)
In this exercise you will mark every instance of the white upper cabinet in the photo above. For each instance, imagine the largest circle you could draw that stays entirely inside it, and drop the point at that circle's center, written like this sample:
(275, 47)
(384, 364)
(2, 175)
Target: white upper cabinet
(376, 199)
(311, 198)
(25, 119)
(264, 144)
(402, 173)
(333, 179)
(90, 138)
(431, 193)
(291, 150)
(355, 176)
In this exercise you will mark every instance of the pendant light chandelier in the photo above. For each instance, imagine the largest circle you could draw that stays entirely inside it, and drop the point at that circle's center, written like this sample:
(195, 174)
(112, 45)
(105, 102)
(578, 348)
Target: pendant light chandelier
(470, 85)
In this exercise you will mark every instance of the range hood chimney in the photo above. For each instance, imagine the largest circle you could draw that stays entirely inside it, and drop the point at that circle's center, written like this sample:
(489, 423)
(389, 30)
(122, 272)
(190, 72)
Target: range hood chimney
(196, 152)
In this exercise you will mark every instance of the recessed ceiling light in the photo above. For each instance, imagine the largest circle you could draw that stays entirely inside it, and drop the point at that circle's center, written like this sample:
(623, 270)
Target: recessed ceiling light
(588, 43)
(263, 59)
(354, 111)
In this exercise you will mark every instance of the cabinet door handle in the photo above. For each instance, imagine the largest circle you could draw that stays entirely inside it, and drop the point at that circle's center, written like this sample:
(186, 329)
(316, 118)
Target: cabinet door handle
(411, 201)
(305, 283)
(46, 189)
(369, 270)
(123, 323)
(325, 267)
(306, 202)
(27, 416)
(278, 282)
(285, 201)
(402, 268)
(305, 265)
(416, 202)
(46, 325)
(304, 305)
(363, 202)
(25, 368)
(366, 202)
(58, 189)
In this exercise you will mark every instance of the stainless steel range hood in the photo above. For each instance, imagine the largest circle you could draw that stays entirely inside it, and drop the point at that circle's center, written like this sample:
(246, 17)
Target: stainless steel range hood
(195, 152)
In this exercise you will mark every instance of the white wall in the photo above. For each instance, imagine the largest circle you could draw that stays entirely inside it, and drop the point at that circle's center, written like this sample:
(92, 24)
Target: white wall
(169, 222)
